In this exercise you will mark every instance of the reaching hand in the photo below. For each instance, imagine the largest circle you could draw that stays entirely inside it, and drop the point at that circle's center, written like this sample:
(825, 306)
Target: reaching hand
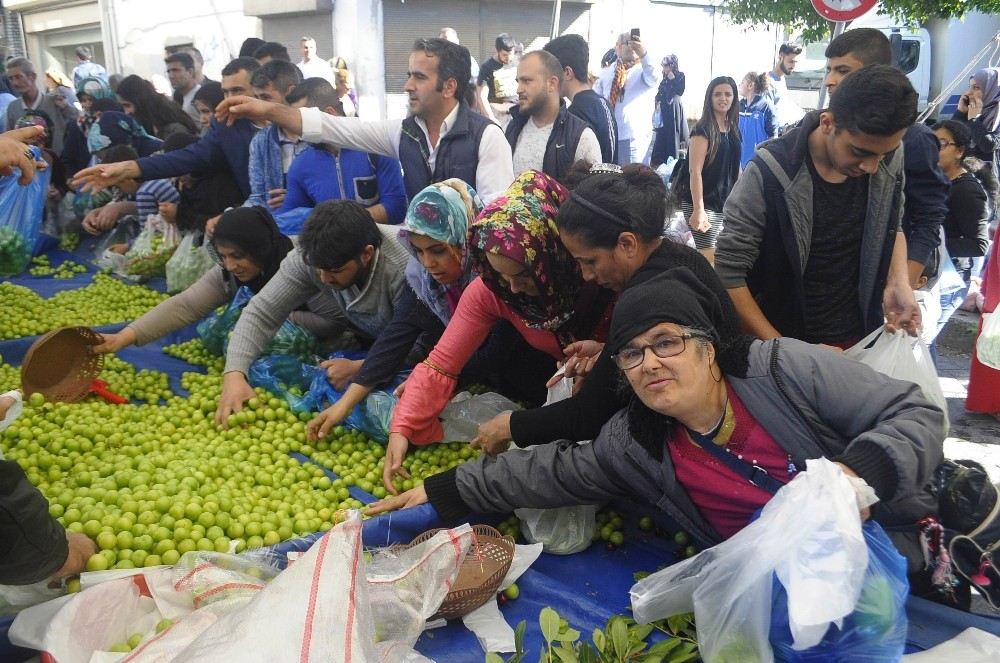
(106, 175)
(494, 435)
(320, 425)
(14, 153)
(235, 392)
(114, 342)
(395, 452)
(410, 498)
(340, 371)
(80, 548)
(102, 219)
(234, 108)
(276, 197)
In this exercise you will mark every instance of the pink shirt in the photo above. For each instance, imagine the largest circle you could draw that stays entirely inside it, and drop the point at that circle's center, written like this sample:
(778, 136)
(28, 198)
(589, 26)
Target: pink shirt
(724, 498)
(428, 390)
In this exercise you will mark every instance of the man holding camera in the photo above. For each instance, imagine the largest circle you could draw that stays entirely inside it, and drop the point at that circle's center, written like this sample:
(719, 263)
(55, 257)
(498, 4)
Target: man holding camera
(630, 85)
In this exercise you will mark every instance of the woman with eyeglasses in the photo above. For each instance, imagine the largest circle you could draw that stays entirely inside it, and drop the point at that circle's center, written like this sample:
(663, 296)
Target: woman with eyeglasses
(709, 437)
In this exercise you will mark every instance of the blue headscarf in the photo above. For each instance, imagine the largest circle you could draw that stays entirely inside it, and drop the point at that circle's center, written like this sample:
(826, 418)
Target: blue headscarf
(442, 211)
(114, 128)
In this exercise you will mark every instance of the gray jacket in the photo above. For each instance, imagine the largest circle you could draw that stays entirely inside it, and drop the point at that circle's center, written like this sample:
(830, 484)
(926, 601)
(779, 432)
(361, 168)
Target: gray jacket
(296, 283)
(812, 401)
(768, 230)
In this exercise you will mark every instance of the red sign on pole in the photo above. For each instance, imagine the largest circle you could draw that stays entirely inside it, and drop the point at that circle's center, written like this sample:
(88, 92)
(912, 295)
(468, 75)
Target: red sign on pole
(842, 10)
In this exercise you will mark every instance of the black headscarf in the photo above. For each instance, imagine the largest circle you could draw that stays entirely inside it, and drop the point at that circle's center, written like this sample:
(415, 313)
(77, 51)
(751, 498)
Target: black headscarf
(253, 231)
(680, 297)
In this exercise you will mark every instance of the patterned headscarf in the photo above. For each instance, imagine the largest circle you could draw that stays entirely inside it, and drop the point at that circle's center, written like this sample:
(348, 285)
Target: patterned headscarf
(521, 225)
(443, 212)
(95, 88)
(114, 128)
(988, 81)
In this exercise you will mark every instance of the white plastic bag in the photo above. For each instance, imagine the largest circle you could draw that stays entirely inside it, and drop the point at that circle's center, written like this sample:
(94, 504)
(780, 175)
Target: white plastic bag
(819, 559)
(462, 416)
(902, 357)
(563, 530)
(188, 263)
(988, 344)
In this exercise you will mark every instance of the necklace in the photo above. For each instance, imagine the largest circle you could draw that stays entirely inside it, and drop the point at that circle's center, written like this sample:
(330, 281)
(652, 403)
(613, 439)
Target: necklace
(722, 424)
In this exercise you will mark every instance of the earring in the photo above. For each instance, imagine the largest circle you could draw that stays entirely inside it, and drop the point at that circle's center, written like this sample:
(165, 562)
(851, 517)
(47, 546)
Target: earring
(712, 373)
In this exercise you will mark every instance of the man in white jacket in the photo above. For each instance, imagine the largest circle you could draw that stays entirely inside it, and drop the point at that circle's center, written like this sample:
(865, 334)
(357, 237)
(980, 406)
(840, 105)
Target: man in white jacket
(630, 86)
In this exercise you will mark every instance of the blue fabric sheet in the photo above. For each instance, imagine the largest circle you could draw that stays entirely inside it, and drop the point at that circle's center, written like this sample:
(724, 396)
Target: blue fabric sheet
(585, 588)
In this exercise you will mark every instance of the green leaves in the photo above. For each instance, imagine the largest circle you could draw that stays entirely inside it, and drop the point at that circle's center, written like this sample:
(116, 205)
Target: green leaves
(620, 641)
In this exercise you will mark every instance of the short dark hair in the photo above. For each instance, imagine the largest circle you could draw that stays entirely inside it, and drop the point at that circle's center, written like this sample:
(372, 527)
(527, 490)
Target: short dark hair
(210, 93)
(185, 59)
(453, 62)
(249, 65)
(572, 51)
(878, 100)
(193, 51)
(789, 48)
(959, 131)
(636, 199)
(549, 62)
(273, 50)
(279, 73)
(336, 233)
(250, 46)
(84, 52)
(504, 42)
(868, 45)
(118, 154)
(317, 92)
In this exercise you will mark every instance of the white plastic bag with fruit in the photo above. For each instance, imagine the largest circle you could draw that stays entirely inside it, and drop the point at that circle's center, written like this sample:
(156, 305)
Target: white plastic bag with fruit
(564, 530)
(988, 343)
(329, 605)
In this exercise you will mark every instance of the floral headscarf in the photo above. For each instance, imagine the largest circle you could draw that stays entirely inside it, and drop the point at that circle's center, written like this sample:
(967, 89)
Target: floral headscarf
(521, 225)
(114, 128)
(443, 212)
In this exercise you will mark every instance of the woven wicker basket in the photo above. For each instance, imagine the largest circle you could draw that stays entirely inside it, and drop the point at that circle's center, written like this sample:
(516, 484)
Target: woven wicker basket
(60, 365)
(483, 569)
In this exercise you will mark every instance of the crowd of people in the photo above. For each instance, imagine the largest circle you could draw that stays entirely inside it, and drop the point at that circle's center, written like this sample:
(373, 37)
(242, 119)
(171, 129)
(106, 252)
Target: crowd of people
(512, 224)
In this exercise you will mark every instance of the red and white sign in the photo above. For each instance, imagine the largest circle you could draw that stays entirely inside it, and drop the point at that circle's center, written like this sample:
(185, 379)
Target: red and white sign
(842, 10)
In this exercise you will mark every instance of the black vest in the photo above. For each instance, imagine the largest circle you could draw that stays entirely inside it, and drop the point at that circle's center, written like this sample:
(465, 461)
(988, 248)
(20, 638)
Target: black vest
(560, 150)
(457, 152)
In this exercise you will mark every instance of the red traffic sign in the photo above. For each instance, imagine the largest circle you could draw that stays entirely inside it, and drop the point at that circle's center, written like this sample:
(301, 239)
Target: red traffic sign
(842, 10)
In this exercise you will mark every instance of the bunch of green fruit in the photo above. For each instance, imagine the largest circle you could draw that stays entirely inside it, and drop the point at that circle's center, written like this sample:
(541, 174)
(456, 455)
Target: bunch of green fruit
(142, 385)
(195, 352)
(106, 300)
(69, 241)
(15, 254)
(67, 269)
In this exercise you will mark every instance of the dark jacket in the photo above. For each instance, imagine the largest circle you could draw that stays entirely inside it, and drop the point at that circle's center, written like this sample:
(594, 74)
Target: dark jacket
(765, 244)
(813, 402)
(560, 149)
(985, 143)
(457, 152)
(595, 110)
(966, 228)
(32, 544)
(222, 147)
(926, 191)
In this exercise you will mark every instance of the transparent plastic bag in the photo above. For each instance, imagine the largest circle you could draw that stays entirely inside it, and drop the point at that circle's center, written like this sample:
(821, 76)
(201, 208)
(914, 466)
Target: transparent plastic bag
(462, 416)
(821, 561)
(290, 339)
(988, 343)
(152, 248)
(563, 530)
(902, 357)
(21, 221)
(188, 264)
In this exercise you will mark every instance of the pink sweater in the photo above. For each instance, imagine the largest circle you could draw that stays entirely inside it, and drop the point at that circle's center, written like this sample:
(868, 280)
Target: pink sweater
(724, 498)
(428, 391)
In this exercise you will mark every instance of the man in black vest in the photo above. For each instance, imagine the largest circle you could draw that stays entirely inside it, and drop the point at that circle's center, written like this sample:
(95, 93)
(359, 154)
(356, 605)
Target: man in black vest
(441, 138)
(542, 133)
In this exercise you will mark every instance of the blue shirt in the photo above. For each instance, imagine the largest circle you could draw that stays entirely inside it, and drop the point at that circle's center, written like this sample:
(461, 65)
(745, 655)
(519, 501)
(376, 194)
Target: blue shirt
(317, 175)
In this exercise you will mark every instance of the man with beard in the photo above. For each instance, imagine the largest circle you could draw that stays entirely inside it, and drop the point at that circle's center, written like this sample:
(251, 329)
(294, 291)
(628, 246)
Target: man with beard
(542, 133)
(356, 265)
(786, 109)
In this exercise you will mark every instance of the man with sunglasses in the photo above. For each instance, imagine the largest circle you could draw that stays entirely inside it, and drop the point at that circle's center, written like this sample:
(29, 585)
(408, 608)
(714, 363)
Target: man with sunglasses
(442, 137)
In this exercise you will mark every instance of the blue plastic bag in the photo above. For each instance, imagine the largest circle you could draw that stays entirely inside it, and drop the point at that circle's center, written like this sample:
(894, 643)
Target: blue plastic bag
(21, 220)
(290, 223)
(306, 389)
(875, 631)
(289, 339)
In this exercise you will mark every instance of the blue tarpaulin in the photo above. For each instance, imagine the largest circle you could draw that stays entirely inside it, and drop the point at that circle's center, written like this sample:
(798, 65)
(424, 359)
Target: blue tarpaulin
(585, 588)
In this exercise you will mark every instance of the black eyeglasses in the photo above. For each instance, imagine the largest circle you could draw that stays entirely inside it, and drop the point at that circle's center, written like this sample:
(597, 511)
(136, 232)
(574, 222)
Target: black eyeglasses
(667, 346)
(943, 144)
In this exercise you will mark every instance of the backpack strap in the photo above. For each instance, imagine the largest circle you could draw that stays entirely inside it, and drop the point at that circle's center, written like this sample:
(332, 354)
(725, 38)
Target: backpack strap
(772, 164)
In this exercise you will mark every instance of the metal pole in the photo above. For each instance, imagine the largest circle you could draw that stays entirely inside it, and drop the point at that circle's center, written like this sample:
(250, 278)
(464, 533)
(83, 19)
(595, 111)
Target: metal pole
(556, 11)
(838, 29)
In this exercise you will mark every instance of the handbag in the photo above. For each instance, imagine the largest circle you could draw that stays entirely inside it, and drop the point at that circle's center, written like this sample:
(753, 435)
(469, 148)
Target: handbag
(680, 179)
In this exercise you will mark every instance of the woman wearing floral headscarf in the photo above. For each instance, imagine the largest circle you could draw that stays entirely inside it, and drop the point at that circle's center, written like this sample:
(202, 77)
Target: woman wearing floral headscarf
(527, 278)
(76, 155)
(435, 232)
(114, 128)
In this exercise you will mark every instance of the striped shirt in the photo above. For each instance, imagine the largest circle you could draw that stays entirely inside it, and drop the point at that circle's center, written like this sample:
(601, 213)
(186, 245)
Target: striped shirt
(151, 194)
